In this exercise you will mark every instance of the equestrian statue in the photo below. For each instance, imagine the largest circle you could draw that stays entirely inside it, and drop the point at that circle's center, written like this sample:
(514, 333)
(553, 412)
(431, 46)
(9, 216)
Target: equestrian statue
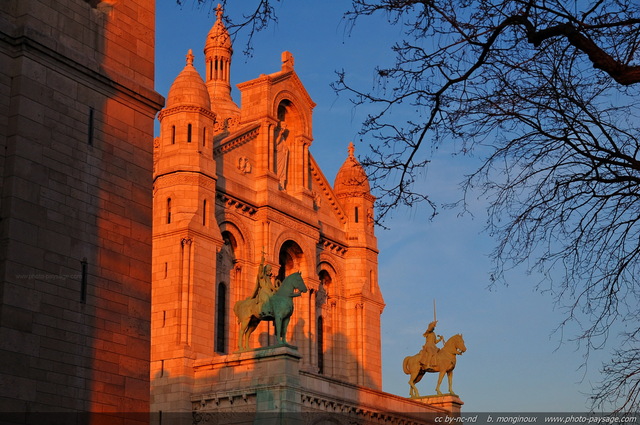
(272, 300)
(433, 359)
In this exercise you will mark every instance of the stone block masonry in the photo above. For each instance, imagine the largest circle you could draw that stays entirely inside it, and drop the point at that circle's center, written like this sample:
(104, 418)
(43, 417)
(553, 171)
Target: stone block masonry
(76, 137)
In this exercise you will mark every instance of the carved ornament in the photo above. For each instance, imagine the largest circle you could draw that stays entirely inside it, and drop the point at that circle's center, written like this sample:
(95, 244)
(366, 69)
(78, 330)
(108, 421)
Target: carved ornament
(228, 124)
(244, 165)
(186, 108)
(229, 202)
(340, 409)
(332, 246)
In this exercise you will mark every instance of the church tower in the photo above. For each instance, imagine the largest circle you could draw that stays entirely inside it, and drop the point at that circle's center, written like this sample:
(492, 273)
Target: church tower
(186, 236)
(217, 54)
(363, 298)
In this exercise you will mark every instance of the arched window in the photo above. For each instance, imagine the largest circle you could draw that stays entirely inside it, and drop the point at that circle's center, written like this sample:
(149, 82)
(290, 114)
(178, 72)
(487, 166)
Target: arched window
(320, 345)
(291, 259)
(168, 210)
(221, 318)
(325, 277)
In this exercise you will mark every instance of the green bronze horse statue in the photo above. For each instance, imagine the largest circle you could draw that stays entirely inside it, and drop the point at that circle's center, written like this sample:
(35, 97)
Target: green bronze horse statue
(278, 308)
(445, 362)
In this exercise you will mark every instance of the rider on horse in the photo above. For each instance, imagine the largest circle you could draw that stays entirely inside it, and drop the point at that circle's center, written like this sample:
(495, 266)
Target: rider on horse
(430, 349)
(264, 286)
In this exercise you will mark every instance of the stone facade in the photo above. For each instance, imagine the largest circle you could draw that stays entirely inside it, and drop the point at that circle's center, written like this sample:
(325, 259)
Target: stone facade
(229, 185)
(234, 184)
(268, 386)
(77, 108)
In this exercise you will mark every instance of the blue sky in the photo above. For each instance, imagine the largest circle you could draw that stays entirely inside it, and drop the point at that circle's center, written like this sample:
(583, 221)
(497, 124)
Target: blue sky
(514, 360)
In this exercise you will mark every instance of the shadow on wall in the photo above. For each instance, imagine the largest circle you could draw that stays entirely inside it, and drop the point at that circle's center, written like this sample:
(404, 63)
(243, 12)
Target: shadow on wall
(76, 223)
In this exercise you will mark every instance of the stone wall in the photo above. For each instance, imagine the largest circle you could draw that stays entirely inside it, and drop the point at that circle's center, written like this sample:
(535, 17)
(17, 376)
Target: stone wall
(76, 129)
(267, 385)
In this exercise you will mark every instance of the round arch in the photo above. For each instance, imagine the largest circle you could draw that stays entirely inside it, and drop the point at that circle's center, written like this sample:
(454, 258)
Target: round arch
(289, 108)
(234, 227)
(327, 264)
(291, 259)
(307, 264)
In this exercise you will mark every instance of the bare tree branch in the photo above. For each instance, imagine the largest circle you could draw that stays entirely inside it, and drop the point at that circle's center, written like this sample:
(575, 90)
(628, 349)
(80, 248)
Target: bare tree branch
(540, 89)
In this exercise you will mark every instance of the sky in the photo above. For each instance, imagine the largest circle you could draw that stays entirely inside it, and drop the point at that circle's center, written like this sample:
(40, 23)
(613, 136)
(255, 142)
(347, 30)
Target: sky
(515, 362)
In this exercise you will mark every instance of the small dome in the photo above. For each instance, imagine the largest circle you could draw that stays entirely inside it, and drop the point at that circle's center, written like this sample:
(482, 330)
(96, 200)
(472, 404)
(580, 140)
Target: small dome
(188, 88)
(218, 36)
(351, 178)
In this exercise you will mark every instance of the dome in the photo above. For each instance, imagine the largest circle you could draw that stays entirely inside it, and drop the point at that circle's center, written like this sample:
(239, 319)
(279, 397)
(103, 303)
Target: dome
(218, 36)
(188, 88)
(351, 178)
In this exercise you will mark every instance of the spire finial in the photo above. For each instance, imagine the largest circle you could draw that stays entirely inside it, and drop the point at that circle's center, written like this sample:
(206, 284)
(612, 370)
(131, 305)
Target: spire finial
(351, 149)
(219, 12)
(190, 57)
(287, 61)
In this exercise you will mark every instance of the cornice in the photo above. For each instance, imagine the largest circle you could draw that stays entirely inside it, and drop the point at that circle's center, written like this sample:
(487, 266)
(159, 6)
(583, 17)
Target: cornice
(233, 203)
(181, 177)
(92, 74)
(186, 108)
(357, 194)
(236, 140)
(332, 246)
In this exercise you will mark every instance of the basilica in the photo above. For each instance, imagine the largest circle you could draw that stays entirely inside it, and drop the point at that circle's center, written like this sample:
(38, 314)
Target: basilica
(235, 188)
(124, 256)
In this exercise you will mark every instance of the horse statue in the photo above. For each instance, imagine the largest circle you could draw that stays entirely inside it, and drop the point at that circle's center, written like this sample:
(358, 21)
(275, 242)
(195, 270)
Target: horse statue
(445, 362)
(277, 308)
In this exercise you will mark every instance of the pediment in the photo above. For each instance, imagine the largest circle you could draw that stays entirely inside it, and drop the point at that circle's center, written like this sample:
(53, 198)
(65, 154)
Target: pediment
(325, 198)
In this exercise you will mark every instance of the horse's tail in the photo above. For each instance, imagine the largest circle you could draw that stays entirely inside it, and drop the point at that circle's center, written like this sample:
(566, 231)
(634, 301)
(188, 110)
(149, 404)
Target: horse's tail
(405, 365)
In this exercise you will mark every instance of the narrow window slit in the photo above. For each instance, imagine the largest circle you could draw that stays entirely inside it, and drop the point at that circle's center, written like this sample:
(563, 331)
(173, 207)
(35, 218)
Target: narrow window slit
(83, 282)
(90, 128)
(204, 212)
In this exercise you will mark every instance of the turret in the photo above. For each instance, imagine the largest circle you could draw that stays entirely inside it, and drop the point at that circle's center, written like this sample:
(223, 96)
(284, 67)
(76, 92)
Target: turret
(354, 194)
(186, 126)
(218, 52)
(184, 231)
(364, 302)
